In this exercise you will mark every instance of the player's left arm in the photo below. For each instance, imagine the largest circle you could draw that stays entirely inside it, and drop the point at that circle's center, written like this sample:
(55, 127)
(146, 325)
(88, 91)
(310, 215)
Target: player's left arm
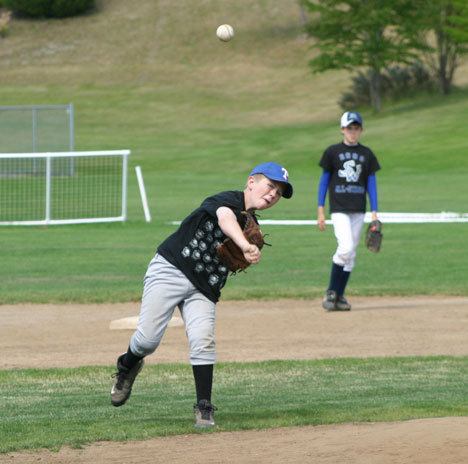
(228, 224)
(372, 192)
(321, 196)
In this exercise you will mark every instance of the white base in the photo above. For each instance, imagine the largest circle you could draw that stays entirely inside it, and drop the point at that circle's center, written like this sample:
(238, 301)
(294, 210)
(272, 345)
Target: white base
(130, 323)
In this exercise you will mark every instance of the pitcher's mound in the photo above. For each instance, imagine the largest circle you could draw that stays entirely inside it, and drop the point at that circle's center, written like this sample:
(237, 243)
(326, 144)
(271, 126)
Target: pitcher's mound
(130, 323)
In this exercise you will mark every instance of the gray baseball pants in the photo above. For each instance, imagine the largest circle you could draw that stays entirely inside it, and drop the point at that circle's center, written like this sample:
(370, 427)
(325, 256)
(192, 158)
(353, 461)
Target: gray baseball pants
(165, 288)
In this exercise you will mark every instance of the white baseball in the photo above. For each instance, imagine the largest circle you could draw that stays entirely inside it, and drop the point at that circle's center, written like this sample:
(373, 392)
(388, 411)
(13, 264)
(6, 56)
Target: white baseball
(225, 32)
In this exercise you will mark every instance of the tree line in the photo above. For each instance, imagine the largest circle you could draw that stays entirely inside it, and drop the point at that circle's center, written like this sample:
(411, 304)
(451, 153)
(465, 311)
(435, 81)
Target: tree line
(378, 37)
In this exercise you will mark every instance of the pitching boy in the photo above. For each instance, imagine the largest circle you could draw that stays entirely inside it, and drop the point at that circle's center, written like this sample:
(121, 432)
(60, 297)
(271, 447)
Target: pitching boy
(348, 173)
(186, 272)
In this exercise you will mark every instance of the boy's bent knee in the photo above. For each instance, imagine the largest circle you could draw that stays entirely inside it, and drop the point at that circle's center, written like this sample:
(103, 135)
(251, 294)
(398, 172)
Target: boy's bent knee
(343, 256)
(141, 345)
(203, 351)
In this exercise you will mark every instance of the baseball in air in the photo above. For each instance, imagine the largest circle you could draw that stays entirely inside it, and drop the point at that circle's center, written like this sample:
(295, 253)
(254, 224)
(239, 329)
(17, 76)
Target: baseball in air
(225, 32)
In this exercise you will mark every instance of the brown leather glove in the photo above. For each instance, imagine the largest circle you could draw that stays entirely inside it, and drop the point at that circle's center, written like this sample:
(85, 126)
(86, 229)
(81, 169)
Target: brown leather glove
(231, 255)
(374, 236)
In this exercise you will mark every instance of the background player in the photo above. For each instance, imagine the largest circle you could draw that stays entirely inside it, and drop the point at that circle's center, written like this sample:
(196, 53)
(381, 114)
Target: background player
(348, 173)
(186, 272)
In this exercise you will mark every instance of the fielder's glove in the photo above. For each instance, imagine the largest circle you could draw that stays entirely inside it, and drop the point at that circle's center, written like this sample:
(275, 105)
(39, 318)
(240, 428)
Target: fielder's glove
(231, 255)
(374, 236)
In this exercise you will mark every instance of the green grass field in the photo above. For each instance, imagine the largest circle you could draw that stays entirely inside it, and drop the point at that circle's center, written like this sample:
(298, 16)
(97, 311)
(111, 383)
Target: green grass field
(56, 407)
(422, 155)
(197, 115)
(106, 263)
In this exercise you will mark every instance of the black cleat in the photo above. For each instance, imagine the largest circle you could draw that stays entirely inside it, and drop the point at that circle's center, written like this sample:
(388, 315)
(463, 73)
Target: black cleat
(124, 378)
(204, 414)
(329, 301)
(342, 304)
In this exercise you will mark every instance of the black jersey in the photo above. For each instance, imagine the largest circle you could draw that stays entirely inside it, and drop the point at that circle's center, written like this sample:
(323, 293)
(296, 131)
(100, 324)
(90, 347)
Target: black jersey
(350, 166)
(192, 247)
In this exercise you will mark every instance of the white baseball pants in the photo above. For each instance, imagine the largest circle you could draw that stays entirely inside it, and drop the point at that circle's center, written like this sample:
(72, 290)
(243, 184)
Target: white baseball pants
(347, 227)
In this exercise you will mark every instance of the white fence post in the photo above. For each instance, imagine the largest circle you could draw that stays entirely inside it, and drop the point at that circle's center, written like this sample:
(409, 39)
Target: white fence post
(124, 185)
(144, 200)
(48, 188)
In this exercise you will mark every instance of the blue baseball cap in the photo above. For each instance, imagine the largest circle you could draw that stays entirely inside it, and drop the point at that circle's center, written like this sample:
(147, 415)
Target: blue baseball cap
(351, 117)
(275, 171)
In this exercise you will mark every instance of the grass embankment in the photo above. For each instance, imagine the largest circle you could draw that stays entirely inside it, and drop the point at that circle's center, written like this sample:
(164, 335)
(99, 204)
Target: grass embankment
(197, 115)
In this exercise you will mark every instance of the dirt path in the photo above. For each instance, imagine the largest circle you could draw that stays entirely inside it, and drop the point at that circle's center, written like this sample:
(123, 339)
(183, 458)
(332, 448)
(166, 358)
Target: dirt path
(71, 335)
(429, 441)
(75, 335)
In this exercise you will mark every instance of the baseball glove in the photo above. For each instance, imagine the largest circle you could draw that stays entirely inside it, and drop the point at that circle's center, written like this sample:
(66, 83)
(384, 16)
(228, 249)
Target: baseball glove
(231, 255)
(374, 236)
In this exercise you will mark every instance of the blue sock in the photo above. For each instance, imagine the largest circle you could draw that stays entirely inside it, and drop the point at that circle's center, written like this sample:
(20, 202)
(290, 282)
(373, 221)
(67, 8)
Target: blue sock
(336, 277)
(343, 282)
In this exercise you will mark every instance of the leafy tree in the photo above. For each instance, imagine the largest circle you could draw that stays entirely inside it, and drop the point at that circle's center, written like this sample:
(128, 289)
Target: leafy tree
(5, 18)
(352, 34)
(49, 8)
(443, 29)
(397, 82)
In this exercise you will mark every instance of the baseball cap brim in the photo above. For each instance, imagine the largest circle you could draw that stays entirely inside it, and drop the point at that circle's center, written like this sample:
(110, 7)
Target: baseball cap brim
(288, 188)
(353, 121)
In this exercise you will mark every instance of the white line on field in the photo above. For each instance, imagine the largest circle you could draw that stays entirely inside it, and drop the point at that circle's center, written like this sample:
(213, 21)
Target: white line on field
(396, 218)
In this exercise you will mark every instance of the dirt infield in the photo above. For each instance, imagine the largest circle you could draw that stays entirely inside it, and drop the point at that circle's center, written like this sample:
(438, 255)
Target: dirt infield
(71, 335)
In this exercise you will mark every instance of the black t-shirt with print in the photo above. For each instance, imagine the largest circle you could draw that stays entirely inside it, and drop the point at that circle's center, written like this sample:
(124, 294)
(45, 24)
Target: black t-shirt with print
(350, 166)
(192, 247)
